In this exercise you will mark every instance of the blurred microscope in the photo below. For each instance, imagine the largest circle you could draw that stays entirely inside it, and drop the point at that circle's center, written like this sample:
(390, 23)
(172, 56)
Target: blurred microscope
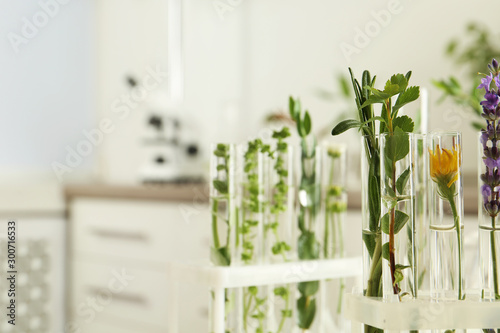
(171, 152)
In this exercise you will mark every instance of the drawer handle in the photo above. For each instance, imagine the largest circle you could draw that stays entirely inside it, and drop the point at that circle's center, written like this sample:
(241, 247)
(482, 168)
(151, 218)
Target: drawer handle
(120, 235)
(122, 296)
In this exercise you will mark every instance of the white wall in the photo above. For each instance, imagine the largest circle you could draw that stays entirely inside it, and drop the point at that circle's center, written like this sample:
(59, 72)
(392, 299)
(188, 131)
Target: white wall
(293, 47)
(46, 98)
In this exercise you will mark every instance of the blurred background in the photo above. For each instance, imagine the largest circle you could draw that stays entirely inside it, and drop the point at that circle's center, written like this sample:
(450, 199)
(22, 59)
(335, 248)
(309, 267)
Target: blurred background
(109, 107)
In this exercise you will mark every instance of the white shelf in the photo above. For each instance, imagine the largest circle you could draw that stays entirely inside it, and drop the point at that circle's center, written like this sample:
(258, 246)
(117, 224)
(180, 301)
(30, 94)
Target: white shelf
(258, 275)
(422, 314)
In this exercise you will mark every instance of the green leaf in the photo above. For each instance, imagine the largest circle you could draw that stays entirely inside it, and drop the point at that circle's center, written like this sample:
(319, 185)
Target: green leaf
(404, 122)
(220, 257)
(372, 100)
(390, 89)
(308, 288)
(281, 291)
(370, 242)
(407, 96)
(385, 251)
(381, 119)
(220, 186)
(477, 126)
(306, 310)
(397, 145)
(374, 193)
(291, 107)
(307, 123)
(400, 220)
(345, 125)
(344, 86)
(308, 246)
(398, 274)
(403, 180)
(399, 80)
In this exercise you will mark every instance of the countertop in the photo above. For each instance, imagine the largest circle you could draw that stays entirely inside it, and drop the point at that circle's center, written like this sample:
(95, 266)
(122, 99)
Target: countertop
(187, 192)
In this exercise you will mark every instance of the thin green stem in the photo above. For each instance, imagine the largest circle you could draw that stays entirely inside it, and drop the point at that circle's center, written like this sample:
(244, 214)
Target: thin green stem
(374, 278)
(494, 256)
(458, 227)
(246, 308)
(215, 232)
(287, 308)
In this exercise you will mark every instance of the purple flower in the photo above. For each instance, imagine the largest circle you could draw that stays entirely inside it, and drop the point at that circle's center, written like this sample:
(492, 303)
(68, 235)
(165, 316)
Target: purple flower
(491, 178)
(486, 82)
(491, 164)
(497, 81)
(486, 192)
(491, 207)
(484, 138)
(491, 101)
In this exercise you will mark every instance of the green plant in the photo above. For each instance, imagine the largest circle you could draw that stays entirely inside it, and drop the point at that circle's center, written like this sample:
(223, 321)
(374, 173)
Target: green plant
(335, 205)
(220, 254)
(309, 204)
(277, 207)
(396, 148)
(252, 209)
(279, 195)
(478, 49)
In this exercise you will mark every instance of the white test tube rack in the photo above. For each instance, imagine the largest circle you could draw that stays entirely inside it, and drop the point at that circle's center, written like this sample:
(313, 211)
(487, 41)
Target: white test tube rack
(220, 278)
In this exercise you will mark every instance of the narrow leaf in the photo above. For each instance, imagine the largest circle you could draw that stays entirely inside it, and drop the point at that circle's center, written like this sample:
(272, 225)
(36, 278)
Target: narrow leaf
(345, 125)
(403, 180)
(307, 123)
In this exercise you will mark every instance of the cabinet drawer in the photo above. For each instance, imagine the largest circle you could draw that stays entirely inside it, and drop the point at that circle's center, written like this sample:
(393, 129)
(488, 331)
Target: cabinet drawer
(112, 325)
(155, 231)
(143, 299)
(102, 290)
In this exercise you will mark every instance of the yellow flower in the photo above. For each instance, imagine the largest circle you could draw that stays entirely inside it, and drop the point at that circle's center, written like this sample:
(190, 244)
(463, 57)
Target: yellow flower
(444, 166)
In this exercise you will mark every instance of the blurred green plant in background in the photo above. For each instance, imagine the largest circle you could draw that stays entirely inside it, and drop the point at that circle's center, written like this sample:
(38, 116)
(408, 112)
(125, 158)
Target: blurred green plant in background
(476, 47)
(341, 92)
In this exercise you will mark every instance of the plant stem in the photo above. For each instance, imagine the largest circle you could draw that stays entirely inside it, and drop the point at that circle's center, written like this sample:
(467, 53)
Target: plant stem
(341, 255)
(374, 279)
(456, 219)
(494, 256)
(287, 308)
(215, 232)
(392, 258)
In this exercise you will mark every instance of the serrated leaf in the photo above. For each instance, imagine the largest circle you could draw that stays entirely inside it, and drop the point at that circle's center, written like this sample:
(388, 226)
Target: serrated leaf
(390, 89)
(345, 125)
(407, 96)
(403, 180)
(405, 123)
(385, 251)
(397, 146)
(399, 80)
(400, 220)
(308, 288)
(306, 310)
